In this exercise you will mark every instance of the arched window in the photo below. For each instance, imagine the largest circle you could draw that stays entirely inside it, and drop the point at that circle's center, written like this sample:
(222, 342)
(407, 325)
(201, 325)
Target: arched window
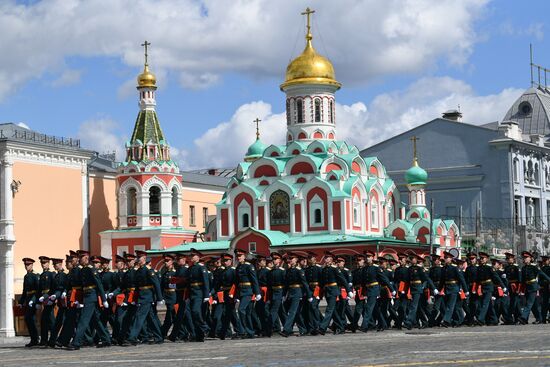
(331, 112)
(317, 110)
(374, 213)
(154, 200)
(516, 170)
(245, 220)
(174, 201)
(288, 112)
(300, 111)
(356, 211)
(131, 201)
(318, 218)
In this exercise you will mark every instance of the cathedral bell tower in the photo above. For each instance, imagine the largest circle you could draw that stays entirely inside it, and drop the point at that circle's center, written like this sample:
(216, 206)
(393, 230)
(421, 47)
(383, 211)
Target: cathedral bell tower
(309, 86)
(416, 178)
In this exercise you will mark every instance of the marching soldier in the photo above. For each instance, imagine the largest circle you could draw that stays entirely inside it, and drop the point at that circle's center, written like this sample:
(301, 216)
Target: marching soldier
(92, 293)
(276, 283)
(183, 326)
(387, 313)
(401, 281)
(296, 288)
(512, 275)
(168, 286)
(473, 298)
(261, 306)
(530, 276)
(342, 305)
(226, 294)
(45, 290)
(452, 282)
(74, 300)
(119, 297)
(109, 282)
(313, 273)
(129, 306)
(28, 300)
(247, 287)
(372, 278)
(545, 289)
(501, 299)
(486, 280)
(439, 308)
(332, 280)
(358, 290)
(417, 280)
(199, 293)
(59, 296)
(149, 293)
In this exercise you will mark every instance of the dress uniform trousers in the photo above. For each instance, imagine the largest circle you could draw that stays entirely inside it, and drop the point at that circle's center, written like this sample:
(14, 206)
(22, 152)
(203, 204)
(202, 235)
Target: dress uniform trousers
(331, 292)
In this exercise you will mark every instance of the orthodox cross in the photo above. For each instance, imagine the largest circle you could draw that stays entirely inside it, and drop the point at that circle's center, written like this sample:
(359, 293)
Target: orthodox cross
(146, 45)
(414, 139)
(308, 13)
(257, 121)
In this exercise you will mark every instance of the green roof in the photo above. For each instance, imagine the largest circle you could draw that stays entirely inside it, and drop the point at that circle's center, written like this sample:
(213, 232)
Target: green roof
(200, 246)
(416, 175)
(147, 128)
(256, 149)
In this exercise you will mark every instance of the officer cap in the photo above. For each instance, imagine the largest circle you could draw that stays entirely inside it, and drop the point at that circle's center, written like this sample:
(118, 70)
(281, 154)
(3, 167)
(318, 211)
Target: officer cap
(458, 261)
(104, 260)
(181, 255)
(291, 255)
(392, 261)
(73, 253)
(275, 255)
(526, 254)
(438, 257)
(119, 258)
(509, 255)
(140, 253)
(44, 259)
(496, 261)
(28, 260)
(68, 257)
(311, 254)
(402, 255)
(413, 255)
(227, 256)
(446, 255)
(340, 258)
(196, 252)
(302, 257)
(128, 256)
(483, 254)
(95, 259)
(269, 259)
(82, 253)
(260, 257)
(544, 258)
(329, 254)
(57, 261)
(240, 251)
(382, 260)
(168, 256)
(359, 257)
(369, 253)
(472, 255)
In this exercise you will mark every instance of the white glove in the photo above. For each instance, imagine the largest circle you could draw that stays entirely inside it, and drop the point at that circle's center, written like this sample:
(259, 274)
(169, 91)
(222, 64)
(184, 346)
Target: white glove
(105, 304)
(504, 289)
(206, 299)
(493, 298)
(230, 296)
(172, 286)
(63, 295)
(436, 292)
(76, 303)
(504, 275)
(53, 297)
(393, 293)
(351, 295)
(214, 302)
(110, 295)
(124, 304)
(467, 294)
(258, 297)
(317, 298)
(80, 306)
(161, 302)
(310, 299)
(41, 299)
(31, 303)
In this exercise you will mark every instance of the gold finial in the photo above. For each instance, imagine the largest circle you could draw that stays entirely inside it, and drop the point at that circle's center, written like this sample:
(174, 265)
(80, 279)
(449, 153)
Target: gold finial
(146, 45)
(257, 121)
(414, 139)
(308, 13)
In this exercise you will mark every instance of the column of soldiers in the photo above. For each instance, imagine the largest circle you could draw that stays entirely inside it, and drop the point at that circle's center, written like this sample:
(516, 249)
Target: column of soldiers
(88, 303)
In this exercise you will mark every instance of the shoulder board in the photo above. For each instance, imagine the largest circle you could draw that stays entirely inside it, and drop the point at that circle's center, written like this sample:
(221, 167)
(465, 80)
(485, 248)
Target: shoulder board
(376, 265)
(298, 267)
(80, 266)
(268, 269)
(233, 268)
(333, 265)
(90, 266)
(222, 267)
(317, 265)
(453, 265)
(246, 262)
(346, 269)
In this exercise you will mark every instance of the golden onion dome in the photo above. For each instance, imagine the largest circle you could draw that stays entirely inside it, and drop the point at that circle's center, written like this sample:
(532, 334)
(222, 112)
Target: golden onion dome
(310, 68)
(146, 79)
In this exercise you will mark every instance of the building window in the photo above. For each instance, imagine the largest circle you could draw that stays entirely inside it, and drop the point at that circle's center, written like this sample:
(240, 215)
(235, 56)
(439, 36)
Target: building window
(244, 214)
(516, 170)
(374, 213)
(204, 217)
(331, 112)
(300, 111)
(154, 200)
(131, 207)
(245, 222)
(356, 211)
(192, 215)
(288, 112)
(317, 110)
(252, 247)
(174, 201)
(316, 217)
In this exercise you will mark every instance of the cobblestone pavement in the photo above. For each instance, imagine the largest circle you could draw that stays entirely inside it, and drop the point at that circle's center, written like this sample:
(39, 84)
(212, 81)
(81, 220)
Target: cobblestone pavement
(481, 346)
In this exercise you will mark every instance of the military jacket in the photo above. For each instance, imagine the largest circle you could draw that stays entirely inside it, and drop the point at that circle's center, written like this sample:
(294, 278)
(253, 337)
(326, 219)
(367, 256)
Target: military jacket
(471, 275)
(30, 288)
(530, 274)
(59, 284)
(418, 279)
(263, 277)
(199, 281)
(109, 281)
(276, 278)
(487, 277)
(247, 279)
(148, 285)
(452, 279)
(331, 276)
(91, 285)
(168, 287)
(513, 274)
(296, 284)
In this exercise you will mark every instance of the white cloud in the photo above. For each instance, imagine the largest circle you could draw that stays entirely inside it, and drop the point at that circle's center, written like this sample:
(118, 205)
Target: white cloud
(201, 41)
(388, 114)
(68, 77)
(535, 30)
(103, 136)
(23, 125)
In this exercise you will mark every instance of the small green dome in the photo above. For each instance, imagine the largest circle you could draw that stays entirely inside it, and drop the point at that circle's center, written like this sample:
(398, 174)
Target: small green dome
(256, 149)
(416, 175)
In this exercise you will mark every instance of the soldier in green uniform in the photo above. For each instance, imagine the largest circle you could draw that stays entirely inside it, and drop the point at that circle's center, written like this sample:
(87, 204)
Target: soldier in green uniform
(92, 293)
(129, 306)
(545, 289)
(199, 293)
(313, 273)
(501, 299)
(247, 286)
(109, 280)
(401, 281)
(472, 306)
(45, 289)
(183, 326)
(276, 283)
(512, 273)
(168, 286)
(59, 297)
(530, 276)
(438, 310)
(417, 279)
(260, 306)
(28, 300)
(74, 292)
(331, 281)
(295, 288)
(451, 280)
(372, 281)
(118, 297)
(486, 280)
(226, 291)
(149, 294)
(342, 305)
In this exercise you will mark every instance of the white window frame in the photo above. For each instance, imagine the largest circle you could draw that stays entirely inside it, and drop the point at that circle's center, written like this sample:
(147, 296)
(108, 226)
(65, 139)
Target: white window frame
(316, 203)
(252, 247)
(356, 211)
(243, 209)
(374, 213)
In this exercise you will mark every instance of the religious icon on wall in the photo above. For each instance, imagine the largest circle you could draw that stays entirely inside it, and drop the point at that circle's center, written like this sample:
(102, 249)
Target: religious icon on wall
(279, 208)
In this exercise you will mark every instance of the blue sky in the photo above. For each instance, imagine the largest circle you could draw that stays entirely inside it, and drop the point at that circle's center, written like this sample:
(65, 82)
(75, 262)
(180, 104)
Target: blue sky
(77, 79)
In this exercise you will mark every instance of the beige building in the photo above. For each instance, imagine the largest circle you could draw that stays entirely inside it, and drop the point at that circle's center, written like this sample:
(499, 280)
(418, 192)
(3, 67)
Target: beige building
(56, 196)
